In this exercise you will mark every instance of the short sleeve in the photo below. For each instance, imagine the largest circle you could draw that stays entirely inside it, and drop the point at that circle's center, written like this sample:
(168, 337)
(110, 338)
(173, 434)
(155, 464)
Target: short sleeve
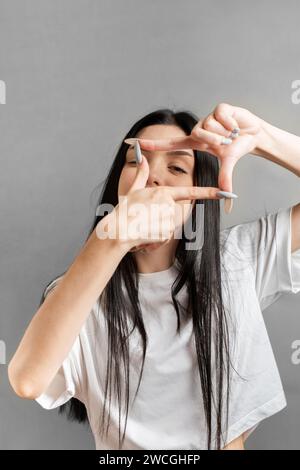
(66, 383)
(265, 244)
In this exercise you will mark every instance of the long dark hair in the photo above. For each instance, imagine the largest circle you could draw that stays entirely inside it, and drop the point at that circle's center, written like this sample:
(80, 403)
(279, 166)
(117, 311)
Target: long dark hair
(203, 279)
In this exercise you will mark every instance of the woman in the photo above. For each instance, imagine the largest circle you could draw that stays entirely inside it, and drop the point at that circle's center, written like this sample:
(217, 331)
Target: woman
(171, 336)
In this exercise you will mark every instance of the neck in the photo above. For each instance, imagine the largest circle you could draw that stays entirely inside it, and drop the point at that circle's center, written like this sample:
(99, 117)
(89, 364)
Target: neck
(158, 259)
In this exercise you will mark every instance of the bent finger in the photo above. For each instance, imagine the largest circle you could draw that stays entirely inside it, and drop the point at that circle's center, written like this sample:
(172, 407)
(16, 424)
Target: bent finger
(223, 114)
(212, 125)
(209, 138)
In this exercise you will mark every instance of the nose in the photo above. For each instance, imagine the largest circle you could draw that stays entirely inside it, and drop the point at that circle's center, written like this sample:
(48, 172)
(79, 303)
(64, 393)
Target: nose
(155, 172)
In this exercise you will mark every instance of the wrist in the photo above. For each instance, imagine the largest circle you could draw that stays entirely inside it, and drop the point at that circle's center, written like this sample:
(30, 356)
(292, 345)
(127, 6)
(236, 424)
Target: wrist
(265, 139)
(278, 146)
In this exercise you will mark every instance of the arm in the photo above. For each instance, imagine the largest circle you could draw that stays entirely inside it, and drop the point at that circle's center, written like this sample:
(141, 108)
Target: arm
(58, 321)
(236, 444)
(296, 227)
(278, 146)
(282, 148)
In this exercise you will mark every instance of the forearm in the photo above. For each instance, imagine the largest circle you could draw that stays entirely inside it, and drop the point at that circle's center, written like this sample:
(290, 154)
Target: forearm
(55, 326)
(236, 444)
(279, 146)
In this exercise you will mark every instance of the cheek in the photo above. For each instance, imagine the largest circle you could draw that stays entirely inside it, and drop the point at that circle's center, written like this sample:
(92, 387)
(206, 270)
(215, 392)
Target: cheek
(188, 180)
(125, 181)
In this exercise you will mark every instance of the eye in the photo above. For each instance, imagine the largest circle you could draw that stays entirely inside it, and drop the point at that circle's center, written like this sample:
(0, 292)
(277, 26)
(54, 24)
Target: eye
(177, 168)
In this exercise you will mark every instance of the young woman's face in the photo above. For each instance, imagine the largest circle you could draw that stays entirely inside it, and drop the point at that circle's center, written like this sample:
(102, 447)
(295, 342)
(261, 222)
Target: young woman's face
(166, 168)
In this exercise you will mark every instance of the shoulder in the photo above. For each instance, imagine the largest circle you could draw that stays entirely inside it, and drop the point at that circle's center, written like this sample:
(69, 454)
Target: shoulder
(238, 245)
(252, 236)
(243, 234)
(257, 238)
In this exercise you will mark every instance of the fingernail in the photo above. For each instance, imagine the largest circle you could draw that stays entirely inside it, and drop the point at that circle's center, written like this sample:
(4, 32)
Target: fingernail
(234, 134)
(138, 154)
(226, 141)
(131, 141)
(227, 194)
(228, 205)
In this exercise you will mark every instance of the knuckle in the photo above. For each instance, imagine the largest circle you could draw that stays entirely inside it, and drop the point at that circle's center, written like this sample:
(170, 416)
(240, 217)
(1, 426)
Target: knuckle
(215, 140)
(164, 192)
(220, 110)
(194, 192)
(154, 194)
(164, 195)
(221, 106)
(170, 202)
(159, 191)
(195, 131)
(208, 124)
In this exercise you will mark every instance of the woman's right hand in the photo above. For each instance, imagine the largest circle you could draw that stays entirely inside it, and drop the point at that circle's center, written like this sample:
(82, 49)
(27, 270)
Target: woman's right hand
(150, 215)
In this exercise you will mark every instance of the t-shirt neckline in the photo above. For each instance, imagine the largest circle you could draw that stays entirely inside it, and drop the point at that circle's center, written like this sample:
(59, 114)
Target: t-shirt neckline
(165, 276)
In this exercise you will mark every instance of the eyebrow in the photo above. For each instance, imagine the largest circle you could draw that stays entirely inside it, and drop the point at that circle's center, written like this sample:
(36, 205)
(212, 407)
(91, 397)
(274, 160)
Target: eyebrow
(179, 152)
(171, 152)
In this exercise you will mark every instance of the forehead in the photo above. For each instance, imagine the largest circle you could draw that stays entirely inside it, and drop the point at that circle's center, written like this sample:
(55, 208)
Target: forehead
(160, 131)
(163, 131)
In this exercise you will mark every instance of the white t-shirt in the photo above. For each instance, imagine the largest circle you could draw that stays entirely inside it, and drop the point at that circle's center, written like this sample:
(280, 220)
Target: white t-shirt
(166, 413)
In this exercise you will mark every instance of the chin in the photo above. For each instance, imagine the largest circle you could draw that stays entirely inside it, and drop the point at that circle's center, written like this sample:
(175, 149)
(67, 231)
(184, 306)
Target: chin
(147, 249)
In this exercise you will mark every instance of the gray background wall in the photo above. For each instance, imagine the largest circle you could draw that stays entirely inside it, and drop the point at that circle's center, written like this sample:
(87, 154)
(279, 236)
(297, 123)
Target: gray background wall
(78, 74)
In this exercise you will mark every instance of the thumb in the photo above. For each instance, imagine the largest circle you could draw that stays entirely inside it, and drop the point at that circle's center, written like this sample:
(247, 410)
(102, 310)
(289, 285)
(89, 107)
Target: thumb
(142, 175)
(225, 174)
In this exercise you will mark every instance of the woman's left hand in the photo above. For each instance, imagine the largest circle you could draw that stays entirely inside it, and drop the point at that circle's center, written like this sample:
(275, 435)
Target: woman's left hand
(208, 135)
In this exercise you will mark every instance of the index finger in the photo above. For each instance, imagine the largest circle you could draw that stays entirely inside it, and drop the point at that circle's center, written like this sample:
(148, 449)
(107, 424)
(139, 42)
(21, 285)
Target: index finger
(174, 143)
(194, 192)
